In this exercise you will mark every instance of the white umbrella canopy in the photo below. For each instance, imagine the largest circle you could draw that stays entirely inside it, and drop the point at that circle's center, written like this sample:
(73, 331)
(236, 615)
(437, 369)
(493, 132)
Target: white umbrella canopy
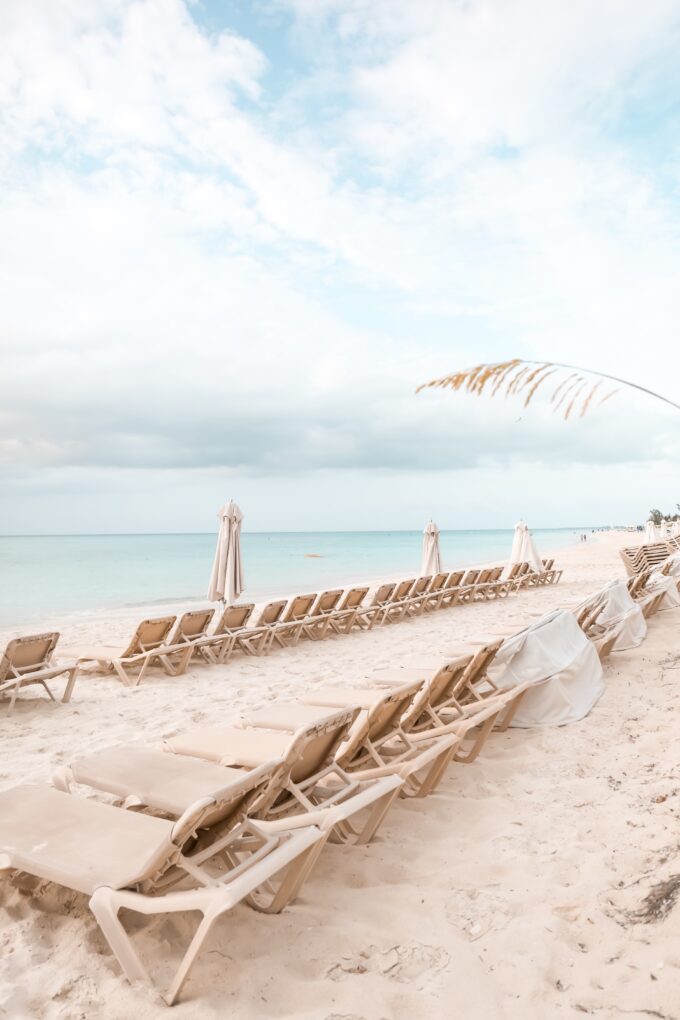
(523, 550)
(226, 580)
(432, 561)
(675, 529)
(651, 533)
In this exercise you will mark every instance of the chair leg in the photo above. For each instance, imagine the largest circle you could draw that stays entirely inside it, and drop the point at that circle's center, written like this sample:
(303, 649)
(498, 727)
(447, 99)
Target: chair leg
(72, 674)
(469, 756)
(105, 904)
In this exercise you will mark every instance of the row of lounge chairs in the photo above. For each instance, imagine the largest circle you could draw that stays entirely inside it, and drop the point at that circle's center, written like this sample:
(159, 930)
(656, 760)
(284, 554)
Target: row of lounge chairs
(604, 635)
(227, 814)
(171, 643)
(639, 558)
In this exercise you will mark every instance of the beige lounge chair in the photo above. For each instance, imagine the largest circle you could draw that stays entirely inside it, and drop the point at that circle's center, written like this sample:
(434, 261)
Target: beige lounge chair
(376, 745)
(192, 628)
(319, 618)
(232, 623)
(29, 660)
(415, 603)
(456, 691)
(435, 591)
(314, 781)
(365, 617)
(452, 589)
(149, 646)
(396, 607)
(288, 629)
(148, 865)
(257, 640)
(342, 620)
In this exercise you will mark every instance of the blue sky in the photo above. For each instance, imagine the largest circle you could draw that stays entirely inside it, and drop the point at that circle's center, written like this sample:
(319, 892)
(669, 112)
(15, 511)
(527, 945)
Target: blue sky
(234, 237)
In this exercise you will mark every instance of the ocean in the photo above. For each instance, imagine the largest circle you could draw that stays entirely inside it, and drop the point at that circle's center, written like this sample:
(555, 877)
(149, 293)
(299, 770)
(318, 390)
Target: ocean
(58, 574)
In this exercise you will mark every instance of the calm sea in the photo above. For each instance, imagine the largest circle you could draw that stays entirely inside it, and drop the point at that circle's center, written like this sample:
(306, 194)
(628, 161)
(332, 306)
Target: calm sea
(58, 574)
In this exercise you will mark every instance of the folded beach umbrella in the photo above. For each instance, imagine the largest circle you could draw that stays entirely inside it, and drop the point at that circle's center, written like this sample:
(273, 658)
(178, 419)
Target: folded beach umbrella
(432, 561)
(675, 529)
(523, 550)
(651, 533)
(226, 580)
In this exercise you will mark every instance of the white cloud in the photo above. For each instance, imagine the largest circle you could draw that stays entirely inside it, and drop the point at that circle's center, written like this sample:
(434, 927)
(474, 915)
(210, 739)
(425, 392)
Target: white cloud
(192, 280)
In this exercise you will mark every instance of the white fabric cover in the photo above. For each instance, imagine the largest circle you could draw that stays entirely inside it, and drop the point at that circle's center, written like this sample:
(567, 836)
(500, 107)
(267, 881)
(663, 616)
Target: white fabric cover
(657, 581)
(523, 550)
(652, 533)
(226, 580)
(562, 665)
(675, 529)
(432, 561)
(621, 610)
(673, 565)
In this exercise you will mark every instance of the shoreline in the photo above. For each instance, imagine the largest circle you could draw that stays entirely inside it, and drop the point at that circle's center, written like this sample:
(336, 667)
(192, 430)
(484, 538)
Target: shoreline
(65, 620)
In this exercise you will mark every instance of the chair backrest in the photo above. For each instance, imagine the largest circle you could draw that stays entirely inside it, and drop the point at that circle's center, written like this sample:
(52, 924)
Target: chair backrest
(455, 577)
(421, 586)
(313, 748)
(470, 577)
(384, 716)
(437, 690)
(495, 574)
(192, 625)
(476, 667)
(149, 634)
(403, 589)
(272, 613)
(28, 654)
(299, 608)
(247, 794)
(327, 602)
(484, 576)
(439, 581)
(234, 617)
(383, 594)
(379, 723)
(353, 598)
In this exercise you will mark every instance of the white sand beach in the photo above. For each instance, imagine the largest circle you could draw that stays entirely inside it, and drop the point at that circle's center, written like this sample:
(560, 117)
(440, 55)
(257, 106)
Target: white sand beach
(515, 892)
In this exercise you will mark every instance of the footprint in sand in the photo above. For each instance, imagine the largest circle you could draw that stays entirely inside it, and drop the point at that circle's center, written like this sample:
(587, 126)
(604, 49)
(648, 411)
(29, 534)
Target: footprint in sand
(401, 963)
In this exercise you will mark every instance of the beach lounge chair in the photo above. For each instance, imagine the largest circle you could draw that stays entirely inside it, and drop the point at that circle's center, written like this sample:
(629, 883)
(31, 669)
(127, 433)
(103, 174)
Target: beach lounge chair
(376, 745)
(29, 660)
(415, 603)
(318, 621)
(149, 646)
(288, 629)
(230, 625)
(315, 779)
(435, 591)
(257, 640)
(191, 628)
(644, 557)
(396, 607)
(450, 594)
(149, 866)
(366, 616)
(342, 619)
(455, 690)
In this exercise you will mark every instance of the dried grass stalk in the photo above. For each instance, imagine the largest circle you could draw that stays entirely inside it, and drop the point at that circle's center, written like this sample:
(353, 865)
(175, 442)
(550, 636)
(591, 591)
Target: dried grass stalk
(517, 376)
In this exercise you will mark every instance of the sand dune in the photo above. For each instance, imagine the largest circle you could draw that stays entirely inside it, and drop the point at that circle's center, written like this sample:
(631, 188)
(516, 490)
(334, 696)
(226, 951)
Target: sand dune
(517, 891)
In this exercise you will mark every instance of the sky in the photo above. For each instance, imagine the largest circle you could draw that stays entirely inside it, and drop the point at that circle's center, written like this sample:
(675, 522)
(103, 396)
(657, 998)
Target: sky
(235, 237)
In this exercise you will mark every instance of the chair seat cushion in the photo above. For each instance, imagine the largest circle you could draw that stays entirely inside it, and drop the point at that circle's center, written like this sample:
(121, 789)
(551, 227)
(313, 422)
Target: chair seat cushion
(80, 843)
(164, 781)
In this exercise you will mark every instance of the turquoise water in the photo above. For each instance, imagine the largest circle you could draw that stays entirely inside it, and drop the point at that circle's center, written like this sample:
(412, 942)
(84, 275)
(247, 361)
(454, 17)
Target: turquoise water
(41, 575)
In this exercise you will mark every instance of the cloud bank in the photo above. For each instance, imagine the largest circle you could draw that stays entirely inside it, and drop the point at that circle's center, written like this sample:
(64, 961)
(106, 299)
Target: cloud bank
(233, 250)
